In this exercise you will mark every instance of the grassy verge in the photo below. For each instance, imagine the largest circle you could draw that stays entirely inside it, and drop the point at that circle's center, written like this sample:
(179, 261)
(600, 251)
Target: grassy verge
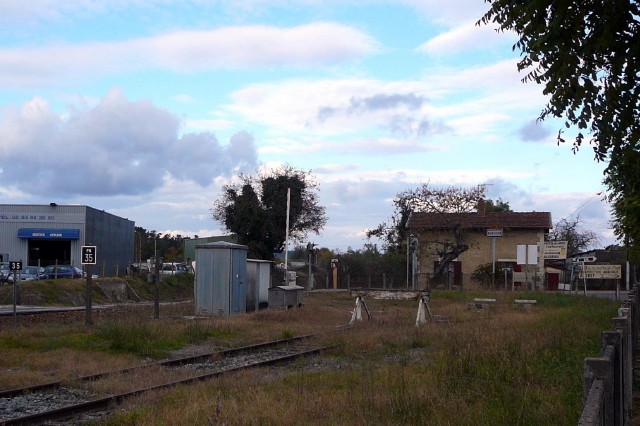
(503, 366)
(67, 292)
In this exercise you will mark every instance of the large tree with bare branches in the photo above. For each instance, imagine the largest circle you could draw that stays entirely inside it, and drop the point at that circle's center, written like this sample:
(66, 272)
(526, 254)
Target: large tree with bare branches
(425, 198)
(428, 199)
(571, 230)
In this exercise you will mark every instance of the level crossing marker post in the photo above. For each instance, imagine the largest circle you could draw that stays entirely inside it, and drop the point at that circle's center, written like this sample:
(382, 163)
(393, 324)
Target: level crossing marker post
(15, 267)
(88, 259)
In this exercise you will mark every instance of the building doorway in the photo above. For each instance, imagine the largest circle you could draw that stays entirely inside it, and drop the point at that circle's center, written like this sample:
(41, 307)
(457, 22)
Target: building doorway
(49, 252)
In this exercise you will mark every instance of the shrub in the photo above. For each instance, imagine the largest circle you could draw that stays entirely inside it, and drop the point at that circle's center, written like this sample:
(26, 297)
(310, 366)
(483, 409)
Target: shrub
(483, 275)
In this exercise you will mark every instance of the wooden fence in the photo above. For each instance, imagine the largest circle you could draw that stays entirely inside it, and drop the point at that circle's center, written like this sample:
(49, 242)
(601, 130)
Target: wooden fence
(608, 379)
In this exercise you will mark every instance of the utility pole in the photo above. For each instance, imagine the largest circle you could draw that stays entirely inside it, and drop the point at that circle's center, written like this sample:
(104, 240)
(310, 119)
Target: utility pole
(286, 240)
(156, 287)
(414, 260)
(310, 255)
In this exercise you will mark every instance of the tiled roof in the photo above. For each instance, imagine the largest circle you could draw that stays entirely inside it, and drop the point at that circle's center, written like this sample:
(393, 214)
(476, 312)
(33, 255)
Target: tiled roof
(511, 220)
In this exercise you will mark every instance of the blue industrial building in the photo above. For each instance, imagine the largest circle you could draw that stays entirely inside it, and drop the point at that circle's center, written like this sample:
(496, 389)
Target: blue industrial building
(49, 234)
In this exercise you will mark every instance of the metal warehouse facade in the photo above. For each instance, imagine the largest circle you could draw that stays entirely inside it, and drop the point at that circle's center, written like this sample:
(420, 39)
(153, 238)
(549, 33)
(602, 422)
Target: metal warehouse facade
(49, 234)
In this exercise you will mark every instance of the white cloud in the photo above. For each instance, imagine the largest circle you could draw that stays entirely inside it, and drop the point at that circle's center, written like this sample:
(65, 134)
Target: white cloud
(449, 13)
(307, 45)
(330, 107)
(414, 176)
(405, 113)
(310, 45)
(184, 98)
(116, 147)
(302, 77)
(465, 37)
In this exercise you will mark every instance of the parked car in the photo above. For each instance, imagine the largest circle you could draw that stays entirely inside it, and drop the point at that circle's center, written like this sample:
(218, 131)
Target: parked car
(173, 269)
(62, 271)
(84, 274)
(4, 272)
(139, 268)
(29, 273)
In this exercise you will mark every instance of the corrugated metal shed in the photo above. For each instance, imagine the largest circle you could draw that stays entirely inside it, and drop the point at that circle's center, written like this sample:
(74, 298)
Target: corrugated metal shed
(221, 278)
(287, 296)
(258, 283)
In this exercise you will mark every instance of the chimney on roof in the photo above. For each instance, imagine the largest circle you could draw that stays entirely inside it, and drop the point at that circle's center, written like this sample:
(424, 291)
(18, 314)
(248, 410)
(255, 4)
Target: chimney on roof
(481, 207)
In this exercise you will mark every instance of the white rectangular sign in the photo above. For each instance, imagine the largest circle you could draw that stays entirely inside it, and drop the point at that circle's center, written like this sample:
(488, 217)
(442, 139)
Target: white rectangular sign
(527, 254)
(521, 254)
(532, 254)
(494, 232)
(555, 250)
(601, 272)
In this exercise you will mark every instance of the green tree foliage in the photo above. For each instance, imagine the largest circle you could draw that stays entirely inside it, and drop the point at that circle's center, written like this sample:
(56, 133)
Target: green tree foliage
(323, 258)
(255, 209)
(299, 253)
(147, 243)
(496, 206)
(571, 230)
(586, 54)
(483, 275)
(623, 181)
(367, 267)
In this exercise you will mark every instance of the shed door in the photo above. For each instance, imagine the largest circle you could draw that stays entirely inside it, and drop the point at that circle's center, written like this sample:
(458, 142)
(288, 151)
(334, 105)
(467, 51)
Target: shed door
(238, 296)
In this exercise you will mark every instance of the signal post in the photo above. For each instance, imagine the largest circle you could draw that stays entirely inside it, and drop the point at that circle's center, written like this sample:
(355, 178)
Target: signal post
(88, 259)
(15, 266)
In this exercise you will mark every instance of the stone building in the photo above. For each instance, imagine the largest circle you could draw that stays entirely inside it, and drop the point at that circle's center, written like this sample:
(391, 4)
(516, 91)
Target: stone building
(491, 237)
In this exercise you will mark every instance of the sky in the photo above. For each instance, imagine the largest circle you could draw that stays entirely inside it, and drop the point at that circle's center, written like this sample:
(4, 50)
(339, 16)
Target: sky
(145, 109)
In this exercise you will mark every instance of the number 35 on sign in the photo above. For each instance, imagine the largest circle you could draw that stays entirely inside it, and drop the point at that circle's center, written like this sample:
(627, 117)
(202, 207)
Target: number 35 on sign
(88, 255)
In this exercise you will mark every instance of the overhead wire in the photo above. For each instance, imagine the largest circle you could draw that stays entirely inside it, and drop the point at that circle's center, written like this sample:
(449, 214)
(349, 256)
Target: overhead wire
(582, 204)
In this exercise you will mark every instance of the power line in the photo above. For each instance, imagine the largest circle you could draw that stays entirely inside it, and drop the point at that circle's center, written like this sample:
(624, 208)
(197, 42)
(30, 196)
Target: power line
(583, 204)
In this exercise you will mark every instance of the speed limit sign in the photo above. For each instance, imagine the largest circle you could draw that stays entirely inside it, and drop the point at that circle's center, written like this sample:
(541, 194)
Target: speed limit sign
(88, 255)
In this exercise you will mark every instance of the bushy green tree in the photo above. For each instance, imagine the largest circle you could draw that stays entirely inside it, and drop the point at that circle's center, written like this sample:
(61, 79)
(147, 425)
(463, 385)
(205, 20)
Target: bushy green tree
(586, 54)
(255, 209)
(623, 182)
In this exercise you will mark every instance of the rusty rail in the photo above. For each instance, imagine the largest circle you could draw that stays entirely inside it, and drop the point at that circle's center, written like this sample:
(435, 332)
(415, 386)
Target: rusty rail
(69, 411)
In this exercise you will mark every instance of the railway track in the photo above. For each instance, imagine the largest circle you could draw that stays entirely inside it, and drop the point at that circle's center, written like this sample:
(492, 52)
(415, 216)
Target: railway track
(57, 401)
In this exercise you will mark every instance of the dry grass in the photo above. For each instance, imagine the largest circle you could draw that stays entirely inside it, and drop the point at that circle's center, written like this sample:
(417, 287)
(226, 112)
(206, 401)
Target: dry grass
(506, 365)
